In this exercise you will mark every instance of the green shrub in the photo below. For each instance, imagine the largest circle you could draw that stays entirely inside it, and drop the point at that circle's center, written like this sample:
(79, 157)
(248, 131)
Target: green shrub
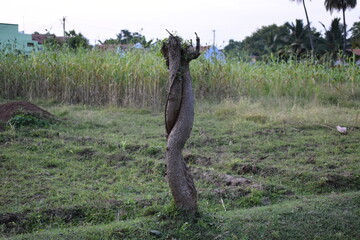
(28, 119)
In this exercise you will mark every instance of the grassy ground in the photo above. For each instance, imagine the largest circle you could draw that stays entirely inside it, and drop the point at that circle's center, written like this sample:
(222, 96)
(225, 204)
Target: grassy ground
(263, 170)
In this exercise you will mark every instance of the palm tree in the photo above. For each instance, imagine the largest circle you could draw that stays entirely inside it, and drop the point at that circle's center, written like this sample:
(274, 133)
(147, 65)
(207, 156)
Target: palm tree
(334, 37)
(355, 38)
(308, 24)
(297, 38)
(339, 5)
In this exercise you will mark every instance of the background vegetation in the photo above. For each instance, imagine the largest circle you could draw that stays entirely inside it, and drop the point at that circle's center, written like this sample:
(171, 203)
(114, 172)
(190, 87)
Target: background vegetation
(139, 78)
(291, 40)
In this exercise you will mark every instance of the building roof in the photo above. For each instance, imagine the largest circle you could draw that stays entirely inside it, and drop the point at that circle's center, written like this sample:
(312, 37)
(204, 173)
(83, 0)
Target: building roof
(9, 24)
(214, 53)
(113, 47)
(40, 38)
(355, 51)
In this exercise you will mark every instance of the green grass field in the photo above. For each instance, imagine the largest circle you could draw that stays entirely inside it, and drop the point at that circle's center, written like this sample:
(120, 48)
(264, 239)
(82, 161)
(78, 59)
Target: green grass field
(265, 154)
(265, 168)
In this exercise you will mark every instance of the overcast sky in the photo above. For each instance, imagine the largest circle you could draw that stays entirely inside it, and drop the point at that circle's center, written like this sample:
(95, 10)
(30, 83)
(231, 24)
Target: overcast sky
(100, 20)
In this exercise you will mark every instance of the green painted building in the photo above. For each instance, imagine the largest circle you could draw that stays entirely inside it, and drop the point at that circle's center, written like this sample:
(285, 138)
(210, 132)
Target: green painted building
(13, 41)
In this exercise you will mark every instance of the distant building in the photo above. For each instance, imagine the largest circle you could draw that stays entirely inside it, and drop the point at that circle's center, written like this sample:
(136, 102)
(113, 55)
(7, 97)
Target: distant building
(356, 53)
(13, 41)
(120, 49)
(41, 38)
(213, 53)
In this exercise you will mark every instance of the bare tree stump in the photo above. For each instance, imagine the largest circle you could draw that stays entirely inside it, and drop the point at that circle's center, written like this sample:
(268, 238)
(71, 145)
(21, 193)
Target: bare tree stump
(179, 118)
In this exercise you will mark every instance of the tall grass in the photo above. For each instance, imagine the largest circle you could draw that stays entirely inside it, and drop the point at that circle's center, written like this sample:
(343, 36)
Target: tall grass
(277, 79)
(139, 78)
(89, 77)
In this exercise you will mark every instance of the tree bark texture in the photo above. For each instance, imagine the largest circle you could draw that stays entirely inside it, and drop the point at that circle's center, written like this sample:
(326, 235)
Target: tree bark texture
(179, 117)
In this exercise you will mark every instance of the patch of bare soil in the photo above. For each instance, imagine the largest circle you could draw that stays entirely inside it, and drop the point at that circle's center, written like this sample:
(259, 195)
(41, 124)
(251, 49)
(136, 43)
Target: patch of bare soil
(226, 186)
(8, 110)
(86, 153)
(119, 159)
(21, 222)
(197, 159)
(341, 180)
(219, 179)
(241, 169)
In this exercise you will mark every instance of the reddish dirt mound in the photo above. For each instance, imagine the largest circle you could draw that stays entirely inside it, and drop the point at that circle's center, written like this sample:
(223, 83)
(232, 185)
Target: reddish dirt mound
(8, 110)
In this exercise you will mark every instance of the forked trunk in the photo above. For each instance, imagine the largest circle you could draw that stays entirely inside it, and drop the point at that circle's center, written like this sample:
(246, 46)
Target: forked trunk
(179, 117)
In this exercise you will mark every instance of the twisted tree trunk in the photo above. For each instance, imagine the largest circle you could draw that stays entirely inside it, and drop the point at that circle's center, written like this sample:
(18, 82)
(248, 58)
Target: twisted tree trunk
(179, 117)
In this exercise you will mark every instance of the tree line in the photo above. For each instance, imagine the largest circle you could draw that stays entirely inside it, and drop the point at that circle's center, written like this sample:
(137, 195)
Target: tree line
(300, 40)
(292, 39)
(75, 40)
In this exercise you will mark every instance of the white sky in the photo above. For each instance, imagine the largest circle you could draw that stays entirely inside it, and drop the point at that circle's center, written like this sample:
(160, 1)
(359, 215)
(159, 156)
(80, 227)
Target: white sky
(100, 20)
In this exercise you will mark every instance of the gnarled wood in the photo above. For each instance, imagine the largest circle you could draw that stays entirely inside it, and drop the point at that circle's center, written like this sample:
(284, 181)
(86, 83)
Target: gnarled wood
(179, 118)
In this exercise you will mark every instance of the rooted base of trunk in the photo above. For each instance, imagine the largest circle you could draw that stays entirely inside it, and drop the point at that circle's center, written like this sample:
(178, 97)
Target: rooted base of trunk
(181, 183)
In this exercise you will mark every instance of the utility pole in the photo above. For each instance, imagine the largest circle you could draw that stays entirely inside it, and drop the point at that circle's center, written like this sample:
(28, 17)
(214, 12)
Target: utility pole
(214, 38)
(64, 19)
(24, 24)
